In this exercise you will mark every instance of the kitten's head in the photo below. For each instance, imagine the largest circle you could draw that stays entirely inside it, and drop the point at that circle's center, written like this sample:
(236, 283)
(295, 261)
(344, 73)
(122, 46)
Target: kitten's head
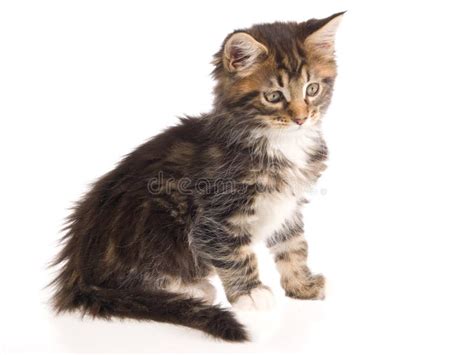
(281, 74)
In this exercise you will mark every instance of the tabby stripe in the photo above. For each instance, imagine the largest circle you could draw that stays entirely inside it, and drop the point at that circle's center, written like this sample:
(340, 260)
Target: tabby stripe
(243, 100)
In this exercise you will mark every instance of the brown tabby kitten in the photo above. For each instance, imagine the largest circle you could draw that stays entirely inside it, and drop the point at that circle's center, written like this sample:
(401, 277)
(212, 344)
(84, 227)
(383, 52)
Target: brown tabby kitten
(192, 201)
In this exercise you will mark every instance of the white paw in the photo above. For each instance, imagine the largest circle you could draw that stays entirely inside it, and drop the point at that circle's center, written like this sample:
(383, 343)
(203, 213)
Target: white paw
(209, 292)
(203, 290)
(259, 299)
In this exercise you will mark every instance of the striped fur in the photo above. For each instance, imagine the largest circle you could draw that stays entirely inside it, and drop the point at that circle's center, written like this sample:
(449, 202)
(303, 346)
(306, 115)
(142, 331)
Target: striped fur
(193, 200)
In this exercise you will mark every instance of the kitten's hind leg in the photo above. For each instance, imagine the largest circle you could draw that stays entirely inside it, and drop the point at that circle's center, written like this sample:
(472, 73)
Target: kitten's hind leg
(199, 288)
(202, 289)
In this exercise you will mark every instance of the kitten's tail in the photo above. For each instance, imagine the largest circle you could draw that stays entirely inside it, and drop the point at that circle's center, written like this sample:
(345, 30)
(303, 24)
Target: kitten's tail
(160, 306)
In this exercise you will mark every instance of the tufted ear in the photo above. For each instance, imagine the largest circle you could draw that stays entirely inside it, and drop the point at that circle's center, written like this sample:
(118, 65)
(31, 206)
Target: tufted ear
(242, 52)
(321, 35)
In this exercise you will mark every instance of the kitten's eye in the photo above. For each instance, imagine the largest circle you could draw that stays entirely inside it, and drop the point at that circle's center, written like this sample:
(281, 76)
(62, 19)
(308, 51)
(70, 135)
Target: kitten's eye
(312, 89)
(274, 96)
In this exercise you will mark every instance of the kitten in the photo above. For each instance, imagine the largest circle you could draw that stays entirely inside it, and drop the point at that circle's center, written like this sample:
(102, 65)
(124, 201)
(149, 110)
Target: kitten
(193, 200)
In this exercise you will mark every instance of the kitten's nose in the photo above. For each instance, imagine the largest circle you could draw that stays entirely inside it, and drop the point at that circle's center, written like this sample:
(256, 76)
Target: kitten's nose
(299, 120)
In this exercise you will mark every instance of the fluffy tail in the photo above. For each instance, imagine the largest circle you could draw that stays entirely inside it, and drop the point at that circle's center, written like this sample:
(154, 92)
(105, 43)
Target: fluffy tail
(160, 306)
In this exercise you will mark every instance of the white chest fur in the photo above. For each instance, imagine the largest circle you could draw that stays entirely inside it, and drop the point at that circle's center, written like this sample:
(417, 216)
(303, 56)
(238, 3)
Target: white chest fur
(273, 209)
(271, 212)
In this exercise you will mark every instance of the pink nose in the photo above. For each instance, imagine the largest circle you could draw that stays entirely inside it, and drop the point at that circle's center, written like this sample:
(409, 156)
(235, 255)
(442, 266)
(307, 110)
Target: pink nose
(299, 121)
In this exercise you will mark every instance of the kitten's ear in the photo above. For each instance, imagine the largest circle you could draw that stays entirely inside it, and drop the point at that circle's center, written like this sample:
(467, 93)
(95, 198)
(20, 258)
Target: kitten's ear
(242, 52)
(321, 35)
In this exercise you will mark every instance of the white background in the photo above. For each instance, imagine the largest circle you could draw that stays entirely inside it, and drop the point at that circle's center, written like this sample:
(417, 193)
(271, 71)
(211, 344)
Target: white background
(84, 82)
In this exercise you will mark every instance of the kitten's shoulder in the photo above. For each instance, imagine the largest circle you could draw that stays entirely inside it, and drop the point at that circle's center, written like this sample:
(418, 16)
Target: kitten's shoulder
(189, 132)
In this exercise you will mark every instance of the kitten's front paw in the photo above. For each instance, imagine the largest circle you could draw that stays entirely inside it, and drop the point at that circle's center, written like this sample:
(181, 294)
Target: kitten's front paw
(260, 298)
(311, 289)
